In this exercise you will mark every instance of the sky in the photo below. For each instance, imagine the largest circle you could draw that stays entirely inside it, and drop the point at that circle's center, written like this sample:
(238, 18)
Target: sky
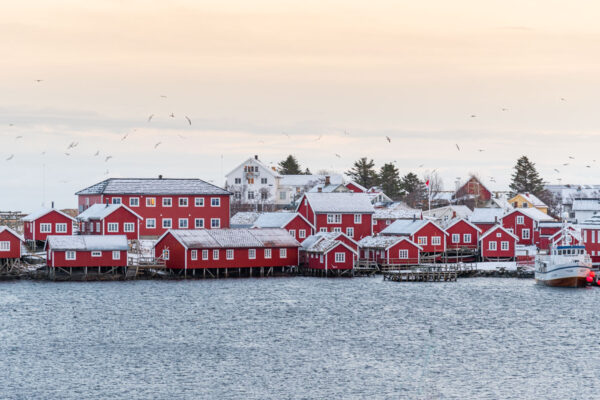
(310, 78)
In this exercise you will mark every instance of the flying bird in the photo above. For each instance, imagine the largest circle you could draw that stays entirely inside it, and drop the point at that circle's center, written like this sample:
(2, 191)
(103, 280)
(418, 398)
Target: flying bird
(108, 158)
(67, 154)
(163, 96)
(286, 134)
(458, 147)
(11, 124)
(473, 115)
(421, 166)
(43, 153)
(565, 164)
(571, 157)
(557, 170)
(150, 117)
(157, 144)
(337, 155)
(563, 99)
(172, 115)
(346, 133)
(10, 157)
(106, 172)
(97, 153)
(480, 150)
(319, 138)
(388, 139)
(505, 109)
(188, 119)
(182, 137)
(19, 137)
(125, 136)
(38, 80)
(588, 166)
(72, 145)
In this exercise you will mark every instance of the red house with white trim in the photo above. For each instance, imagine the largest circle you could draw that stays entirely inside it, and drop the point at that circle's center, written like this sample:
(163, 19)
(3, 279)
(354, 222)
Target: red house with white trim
(355, 187)
(390, 250)
(110, 219)
(590, 235)
(297, 226)
(86, 251)
(547, 230)
(348, 213)
(163, 203)
(425, 233)
(498, 244)
(463, 235)
(10, 244)
(38, 225)
(322, 252)
(524, 223)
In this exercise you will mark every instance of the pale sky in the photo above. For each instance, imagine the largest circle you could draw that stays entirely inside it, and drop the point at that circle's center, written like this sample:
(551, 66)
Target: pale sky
(247, 72)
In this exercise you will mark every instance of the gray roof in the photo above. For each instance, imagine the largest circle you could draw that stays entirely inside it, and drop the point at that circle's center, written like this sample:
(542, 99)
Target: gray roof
(404, 227)
(154, 186)
(274, 219)
(43, 211)
(534, 214)
(88, 242)
(378, 242)
(340, 202)
(398, 213)
(322, 242)
(486, 215)
(234, 238)
(100, 211)
(586, 205)
(244, 219)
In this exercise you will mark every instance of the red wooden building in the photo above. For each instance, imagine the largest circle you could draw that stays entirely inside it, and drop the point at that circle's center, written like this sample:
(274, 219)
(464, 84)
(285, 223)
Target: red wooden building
(348, 213)
(228, 250)
(322, 254)
(463, 235)
(163, 203)
(389, 250)
(10, 245)
(591, 240)
(297, 226)
(486, 218)
(110, 219)
(524, 223)
(498, 244)
(82, 251)
(38, 225)
(384, 217)
(429, 236)
(547, 229)
(473, 191)
(355, 187)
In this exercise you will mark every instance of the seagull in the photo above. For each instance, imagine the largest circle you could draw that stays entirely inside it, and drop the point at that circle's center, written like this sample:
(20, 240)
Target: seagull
(480, 150)
(172, 115)
(319, 138)
(157, 144)
(588, 166)
(286, 134)
(473, 115)
(72, 145)
(38, 80)
(346, 133)
(106, 172)
(337, 155)
(182, 137)
(163, 96)
(388, 139)
(563, 99)
(150, 117)
(97, 153)
(67, 154)
(421, 166)
(43, 153)
(10, 157)
(571, 157)
(565, 164)
(557, 170)
(188, 119)
(19, 137)
(107, 158)
(505, 109)
(11, 124)
(458, 147)
(125, 137)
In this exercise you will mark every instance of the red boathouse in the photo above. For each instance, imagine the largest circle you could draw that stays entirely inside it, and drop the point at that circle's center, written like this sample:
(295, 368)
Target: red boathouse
(498, 244)
(82, 251)
(38, 225)
(110, 219)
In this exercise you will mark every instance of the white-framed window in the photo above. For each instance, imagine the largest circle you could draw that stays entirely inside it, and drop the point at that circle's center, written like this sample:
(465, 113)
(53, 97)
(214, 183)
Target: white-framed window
(194, 255)
(134, 202)
(91, 226)
(387, 221)
(334, 218)
(96, 254)
(492, 246)
(61, 228)
(281, 195)
(5, 245)
(321, 259)
(199, 202)
(199, 223)
(215, 202)
(498, 234)
(113, 227)
(323, 230)
(250, 195)
(358, 218)
(167, 202)
(97, 226)
(504, 246)
(183, 223)
(150, 201)
(337, 229)
(238, 181)
(215, 254)
(520, 220)
(456, 238)
(167, 223)
(292, 233)
(215, 222)
(229, 254)
(282, 253)
(302, 233)
(467, 238)
(340, 257)
(116, 200)
(251, 254)
(70, 255)
(183, 202)
(525, 233)
(350, 232)
(237, 195)
(263, 181)
(128, 227)
(150, 223)
(267, 253)
(166, 254)
(422, 240)
(116, 255)
(403, 254)
(436, 240)
(45, 228)
(205, 254)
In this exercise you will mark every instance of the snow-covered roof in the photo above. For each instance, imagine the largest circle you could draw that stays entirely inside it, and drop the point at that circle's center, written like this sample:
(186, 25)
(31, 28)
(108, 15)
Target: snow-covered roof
(233, 238)
(87, 242)
(460, 211)
(276, 219)
(586, 205)
(397, 213)
(457, 220)
(494, 229)
(323, 242)
(7, 229)
(244, 219)
(594, 220)
(383, 242)
(340, 202)
(101, 211)
(153, 186)
(255, 160)
(486, 215)
(532, 199)
(43, 211)
(407, 227)
(333, 187)
(309, 180)
(532, 213)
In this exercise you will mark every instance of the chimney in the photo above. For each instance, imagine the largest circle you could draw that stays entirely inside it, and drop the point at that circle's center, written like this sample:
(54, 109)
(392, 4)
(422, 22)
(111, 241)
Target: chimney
(53, 205)
(327, 180)
(256, 157)
(160, 177)
(320, 189)
(414, 217)
(495, 220)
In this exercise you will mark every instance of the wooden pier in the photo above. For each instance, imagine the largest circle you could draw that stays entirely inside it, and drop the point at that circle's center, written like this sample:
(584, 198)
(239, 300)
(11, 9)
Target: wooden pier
(424, 273)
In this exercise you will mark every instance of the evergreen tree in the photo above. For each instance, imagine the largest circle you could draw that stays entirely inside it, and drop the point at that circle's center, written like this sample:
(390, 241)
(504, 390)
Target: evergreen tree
(307, 172)
(525, 178)
(363, 173)
(290, 166)
(389, 181)
(414, 188)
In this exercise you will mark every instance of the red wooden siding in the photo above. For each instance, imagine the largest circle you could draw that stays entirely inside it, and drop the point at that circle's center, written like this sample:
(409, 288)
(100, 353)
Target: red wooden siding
(327, 260)
(32, 229)
(296, 225)
(462, 228)
(362, 229)
(119, 216)
(591, 241)
(509, 222)
(498, 236)
(85, 259)
(15, 245)
(429, 231)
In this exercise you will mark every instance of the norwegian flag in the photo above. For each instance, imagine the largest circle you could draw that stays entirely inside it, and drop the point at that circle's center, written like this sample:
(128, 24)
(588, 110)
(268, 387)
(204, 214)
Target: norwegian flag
(427, 183)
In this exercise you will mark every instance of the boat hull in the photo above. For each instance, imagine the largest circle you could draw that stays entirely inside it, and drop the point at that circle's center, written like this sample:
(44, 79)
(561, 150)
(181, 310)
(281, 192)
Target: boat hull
(564, 276)
(570, 282)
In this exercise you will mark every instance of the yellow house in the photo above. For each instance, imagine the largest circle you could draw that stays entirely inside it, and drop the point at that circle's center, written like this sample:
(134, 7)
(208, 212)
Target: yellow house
(528, 200)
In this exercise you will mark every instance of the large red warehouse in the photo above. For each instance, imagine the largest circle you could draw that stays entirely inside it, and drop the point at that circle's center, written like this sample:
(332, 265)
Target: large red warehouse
(47, 221)
(110, 219)
(163, 203)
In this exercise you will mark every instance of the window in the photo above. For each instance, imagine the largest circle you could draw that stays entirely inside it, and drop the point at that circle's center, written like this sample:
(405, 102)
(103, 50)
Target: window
(422, 240)
(215, 254)
(45, 228)
(205, 254)
(96, 254)
(229, 254)
(520, 220)
(70, 255)
(194, 255)
(387, 221)
(250, 181)
(215, 202)
(151, 223)
(116, 255)
(167, 202)
(281, 195)
(5, 246)
(436, 240)
(199, 223)
(150, 201)
(237, 195)
(492, 246)
(113, 227)
(267, 253)
(183, 202)
(238, 181)
(183, 223)
(116, 200)
(97, 226)
(166, 223)
(525, 233)
(199, 202)
(263, 181)
(337, 229)
(504, 246)
(282, 253)
(498, 234)
(340, 257)
(350, 232)
(166, 254)
(292, 233)
(251, 254)
(264, 195)
(323, 230)
(250, 195)
(215, 222)
(403, 254)
(358, 218)
(467, 238)
(128, 227)
(321, 259)
(61, 228)
(91, 227)
(134, 202)
(302, 233)
(334, 218)
(456, 238)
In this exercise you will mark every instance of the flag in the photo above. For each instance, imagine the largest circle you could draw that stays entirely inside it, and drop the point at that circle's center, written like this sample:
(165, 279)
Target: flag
(427, 183)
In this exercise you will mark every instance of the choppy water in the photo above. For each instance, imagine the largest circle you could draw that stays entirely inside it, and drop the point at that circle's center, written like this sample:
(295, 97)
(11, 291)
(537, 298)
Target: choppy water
(298, 338)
